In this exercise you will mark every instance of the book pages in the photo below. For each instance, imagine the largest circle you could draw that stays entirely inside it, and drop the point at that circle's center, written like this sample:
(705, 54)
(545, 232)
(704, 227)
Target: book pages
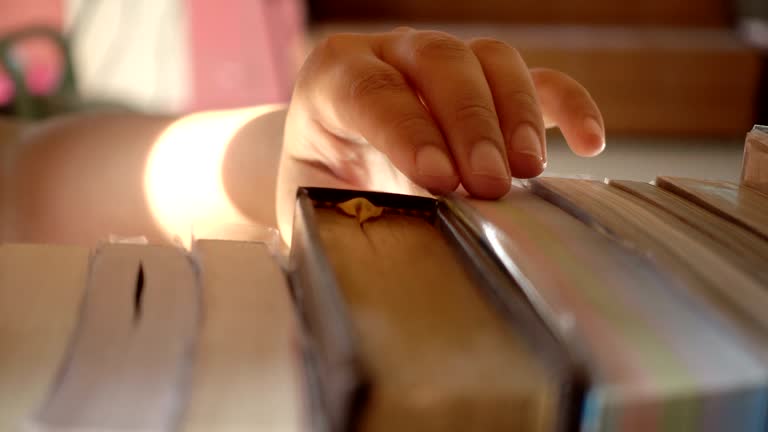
(41, 291)
(673, 245)
(247, 373)
(128, 362)
(740, 204)
(739, 242)
(660, 359)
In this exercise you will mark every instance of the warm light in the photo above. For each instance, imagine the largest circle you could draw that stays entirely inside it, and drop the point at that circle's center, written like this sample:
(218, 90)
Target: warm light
(183, 177)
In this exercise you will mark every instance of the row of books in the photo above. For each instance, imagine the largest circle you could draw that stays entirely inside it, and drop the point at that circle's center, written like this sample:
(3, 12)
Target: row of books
(568, 305)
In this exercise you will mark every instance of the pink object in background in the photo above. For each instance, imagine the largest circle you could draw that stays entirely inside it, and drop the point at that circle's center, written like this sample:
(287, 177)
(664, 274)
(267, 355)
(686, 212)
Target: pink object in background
(243, 52)
(41, 60)
(6, 90)
(43, 78)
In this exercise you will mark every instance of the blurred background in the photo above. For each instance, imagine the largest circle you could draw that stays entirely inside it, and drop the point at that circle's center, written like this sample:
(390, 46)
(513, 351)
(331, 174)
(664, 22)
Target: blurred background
(679, 82)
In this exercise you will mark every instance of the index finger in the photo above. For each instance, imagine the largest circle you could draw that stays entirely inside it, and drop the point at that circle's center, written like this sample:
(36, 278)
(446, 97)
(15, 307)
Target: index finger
(450, 79)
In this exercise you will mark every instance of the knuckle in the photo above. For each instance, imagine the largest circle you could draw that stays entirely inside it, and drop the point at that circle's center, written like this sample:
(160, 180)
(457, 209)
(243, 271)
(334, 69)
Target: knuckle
(437, 45)
(325, 53)
(522, 102)
(492, 46)
(409, 127)
(474, 112)
(364, 83)
(522, 107)
(411, 123)
(572, 95)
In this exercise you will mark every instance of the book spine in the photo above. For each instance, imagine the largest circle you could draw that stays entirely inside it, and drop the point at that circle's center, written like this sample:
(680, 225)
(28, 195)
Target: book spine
(332, 355)
(515, 297)
(334, 375)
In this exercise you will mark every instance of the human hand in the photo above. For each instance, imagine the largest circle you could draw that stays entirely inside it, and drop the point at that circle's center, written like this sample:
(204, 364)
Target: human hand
(414, 111)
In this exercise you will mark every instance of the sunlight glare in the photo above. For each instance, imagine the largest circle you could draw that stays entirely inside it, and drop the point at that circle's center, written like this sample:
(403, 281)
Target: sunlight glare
(183, 176)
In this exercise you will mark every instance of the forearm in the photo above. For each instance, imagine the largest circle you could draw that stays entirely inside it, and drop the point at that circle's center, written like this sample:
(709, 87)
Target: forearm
(78, 180)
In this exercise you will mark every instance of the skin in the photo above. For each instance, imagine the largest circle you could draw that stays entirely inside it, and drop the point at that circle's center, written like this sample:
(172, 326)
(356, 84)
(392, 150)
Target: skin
(409, 111)
(405, 111)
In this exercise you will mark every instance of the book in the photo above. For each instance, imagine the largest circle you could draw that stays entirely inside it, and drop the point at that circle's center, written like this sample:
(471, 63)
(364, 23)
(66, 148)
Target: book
(650, 347)
(567, 305)
(675, 246)
(41, 287)
(754, 168)
(249, 348)
(738, 241)
(740, 204)
(430, 349)
(128, 361)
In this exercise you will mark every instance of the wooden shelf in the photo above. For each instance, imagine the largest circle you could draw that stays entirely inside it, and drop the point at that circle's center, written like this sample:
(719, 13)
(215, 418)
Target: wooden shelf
(610, 12)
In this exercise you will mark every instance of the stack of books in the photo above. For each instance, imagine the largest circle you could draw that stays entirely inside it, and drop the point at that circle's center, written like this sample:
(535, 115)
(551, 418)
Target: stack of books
(568, 305)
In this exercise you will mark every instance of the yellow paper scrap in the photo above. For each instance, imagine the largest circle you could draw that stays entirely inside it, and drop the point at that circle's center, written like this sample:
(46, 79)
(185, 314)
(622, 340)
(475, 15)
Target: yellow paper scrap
(361, 208)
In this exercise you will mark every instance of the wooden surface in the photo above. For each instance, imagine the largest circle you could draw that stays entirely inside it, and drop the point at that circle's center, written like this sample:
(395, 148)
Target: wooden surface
(648, 12)
(439, 358)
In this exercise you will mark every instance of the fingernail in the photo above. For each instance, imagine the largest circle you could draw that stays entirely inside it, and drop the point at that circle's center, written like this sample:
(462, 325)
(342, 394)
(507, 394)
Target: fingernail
(487, 160)
(432, 161)
(526, 141)
(592, 127)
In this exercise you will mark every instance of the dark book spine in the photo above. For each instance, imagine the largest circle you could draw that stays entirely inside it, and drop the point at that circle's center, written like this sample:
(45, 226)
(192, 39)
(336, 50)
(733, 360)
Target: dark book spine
(333, 360)
(334, 374)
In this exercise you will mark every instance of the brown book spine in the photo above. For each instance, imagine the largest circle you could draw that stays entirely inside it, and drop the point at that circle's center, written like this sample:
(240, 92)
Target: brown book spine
(334, 374)
(337, 377)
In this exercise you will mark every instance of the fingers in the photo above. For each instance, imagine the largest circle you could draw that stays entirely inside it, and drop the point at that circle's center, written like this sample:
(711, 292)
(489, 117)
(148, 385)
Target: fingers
(517, 106)
(450, 79)
(443, 111)
(376, 102)
(567, 104)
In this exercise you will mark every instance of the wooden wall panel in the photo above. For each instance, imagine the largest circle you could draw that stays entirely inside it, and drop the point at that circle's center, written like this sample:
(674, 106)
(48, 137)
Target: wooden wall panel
(641, 12)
